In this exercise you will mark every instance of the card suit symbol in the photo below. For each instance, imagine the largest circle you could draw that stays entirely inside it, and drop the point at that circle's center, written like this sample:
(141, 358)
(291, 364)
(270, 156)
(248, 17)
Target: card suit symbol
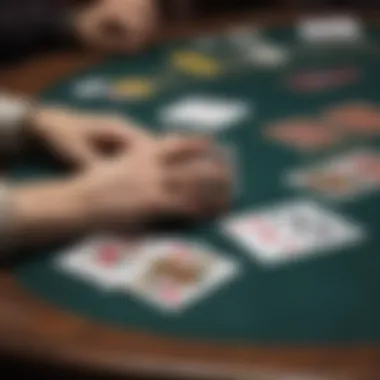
(109, 254)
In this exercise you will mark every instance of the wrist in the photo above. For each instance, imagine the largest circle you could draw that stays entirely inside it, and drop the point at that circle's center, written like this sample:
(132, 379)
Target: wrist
(46, 211)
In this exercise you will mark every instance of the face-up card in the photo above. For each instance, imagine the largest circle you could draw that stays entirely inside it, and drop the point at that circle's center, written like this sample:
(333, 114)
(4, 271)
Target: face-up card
(103, 261)
(303, 134)
(204, 114)
(291, 231)
(357, 118)
(173, 274)
(342, 177)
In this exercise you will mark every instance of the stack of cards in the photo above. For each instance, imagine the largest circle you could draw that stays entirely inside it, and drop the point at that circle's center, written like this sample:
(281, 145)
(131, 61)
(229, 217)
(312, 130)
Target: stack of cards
(168, 273)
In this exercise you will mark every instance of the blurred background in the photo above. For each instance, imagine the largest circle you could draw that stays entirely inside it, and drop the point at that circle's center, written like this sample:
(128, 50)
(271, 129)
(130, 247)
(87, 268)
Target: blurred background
(182, 11)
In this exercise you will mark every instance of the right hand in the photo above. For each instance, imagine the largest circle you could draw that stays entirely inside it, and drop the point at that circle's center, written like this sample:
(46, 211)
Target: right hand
(143, 184)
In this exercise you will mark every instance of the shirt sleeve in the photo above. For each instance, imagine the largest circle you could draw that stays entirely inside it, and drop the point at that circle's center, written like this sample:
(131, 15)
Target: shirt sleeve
(31, 26)
(13, 115)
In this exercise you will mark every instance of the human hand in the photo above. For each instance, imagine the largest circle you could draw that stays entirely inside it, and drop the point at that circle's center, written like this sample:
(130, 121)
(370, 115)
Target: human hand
(151, 182)
(83, 139)
(166, 178)
(117, 25)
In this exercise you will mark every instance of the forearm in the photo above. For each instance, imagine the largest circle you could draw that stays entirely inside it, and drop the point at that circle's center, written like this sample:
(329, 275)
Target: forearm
(42, 213)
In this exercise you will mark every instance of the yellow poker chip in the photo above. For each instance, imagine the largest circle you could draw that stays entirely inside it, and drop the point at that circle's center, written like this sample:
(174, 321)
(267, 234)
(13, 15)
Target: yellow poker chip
(134, 88)
(196, 64)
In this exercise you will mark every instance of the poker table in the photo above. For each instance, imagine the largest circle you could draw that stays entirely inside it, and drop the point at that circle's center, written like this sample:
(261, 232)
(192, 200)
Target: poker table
(302, 106)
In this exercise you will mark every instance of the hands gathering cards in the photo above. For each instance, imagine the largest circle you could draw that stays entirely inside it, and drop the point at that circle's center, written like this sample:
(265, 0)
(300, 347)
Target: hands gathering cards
(122, 176)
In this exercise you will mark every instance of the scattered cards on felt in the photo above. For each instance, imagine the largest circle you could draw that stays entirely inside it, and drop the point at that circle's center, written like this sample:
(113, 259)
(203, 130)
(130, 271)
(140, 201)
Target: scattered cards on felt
(168, 273)
(171, 275)
(291, 231)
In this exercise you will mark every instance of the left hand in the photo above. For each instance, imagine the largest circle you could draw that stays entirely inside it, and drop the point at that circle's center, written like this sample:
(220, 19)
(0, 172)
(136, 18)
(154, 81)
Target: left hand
(82, 139)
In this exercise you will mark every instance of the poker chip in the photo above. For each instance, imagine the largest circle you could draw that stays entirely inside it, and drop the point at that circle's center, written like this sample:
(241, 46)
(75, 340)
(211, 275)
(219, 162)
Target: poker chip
(194, 63)
(91, 88)
(265, 55)
(135, 88)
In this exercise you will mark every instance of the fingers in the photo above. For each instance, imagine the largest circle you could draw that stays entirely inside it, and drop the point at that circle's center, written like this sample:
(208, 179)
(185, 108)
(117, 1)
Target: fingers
(176, 150)
(194, 191)
(117, 136)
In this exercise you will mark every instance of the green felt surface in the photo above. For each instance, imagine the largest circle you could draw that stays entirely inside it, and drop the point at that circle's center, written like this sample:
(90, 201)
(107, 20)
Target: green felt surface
(331, 298)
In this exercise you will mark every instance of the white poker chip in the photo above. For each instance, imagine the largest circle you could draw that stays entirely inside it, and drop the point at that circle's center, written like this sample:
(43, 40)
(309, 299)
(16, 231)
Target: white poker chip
(330, 29)
(92, 88)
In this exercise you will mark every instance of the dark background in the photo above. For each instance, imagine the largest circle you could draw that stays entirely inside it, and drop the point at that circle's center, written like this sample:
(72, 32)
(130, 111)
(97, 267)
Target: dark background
(199, 8)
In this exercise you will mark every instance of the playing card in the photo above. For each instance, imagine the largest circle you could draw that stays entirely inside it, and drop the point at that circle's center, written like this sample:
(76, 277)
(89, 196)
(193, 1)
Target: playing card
(357, 118)
(173, 274)
(317, 80)
(204, 114)
(302, 133)
(342, 177)
(330, 29)
(103, 261)
(291, 231)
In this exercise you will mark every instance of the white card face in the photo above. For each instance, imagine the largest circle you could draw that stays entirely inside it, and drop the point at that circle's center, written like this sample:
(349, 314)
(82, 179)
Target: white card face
(343, 177)
(172, 274)
(292, 231)
(204, 114)
(330, 29)
(102, 261)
